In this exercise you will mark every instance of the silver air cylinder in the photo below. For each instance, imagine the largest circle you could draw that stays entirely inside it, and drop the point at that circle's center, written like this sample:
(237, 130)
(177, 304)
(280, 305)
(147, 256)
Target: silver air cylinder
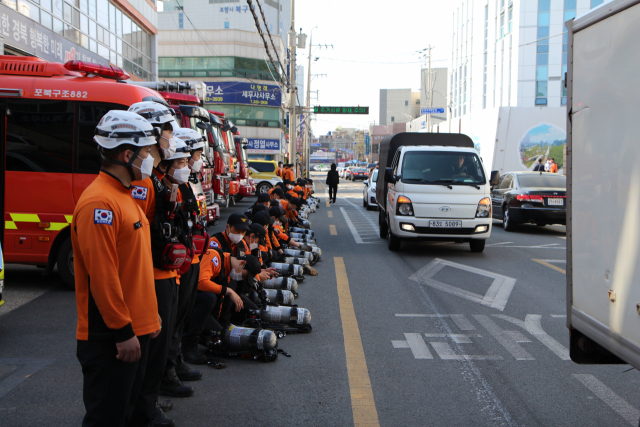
(296, 261)
(276, 295)
(241, 338)
(298, 254)
(299, 230)
(283, 283)
(293, 316)
(302, 238)
(287, 269)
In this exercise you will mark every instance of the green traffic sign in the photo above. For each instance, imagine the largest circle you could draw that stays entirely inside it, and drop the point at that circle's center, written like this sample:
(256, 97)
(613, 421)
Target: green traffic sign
(341, 110)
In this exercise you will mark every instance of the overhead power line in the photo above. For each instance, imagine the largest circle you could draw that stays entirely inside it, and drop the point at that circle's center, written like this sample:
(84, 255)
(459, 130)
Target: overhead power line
(264, 20)
(266, 46)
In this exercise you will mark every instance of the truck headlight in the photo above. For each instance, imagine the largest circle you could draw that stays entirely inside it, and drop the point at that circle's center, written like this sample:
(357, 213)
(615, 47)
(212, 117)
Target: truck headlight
(404, 206)
(484, 208)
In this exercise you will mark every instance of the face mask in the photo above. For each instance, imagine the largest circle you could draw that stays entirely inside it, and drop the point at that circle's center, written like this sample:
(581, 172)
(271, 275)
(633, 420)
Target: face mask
(169, 152)
(253, 246)
(235, 275)
(181, 175)
(146, 167)
(197, 164)
(288, 187)
(235, 238)
(277, 223)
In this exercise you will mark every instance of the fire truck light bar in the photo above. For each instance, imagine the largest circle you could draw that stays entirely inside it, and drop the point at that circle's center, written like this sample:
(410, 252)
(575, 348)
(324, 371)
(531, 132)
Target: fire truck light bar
(98, 70)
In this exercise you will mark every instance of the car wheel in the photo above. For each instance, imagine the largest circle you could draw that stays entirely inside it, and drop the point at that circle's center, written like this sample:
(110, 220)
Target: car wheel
(393, 241)
(263, 188)
(364, 203)
(65, 264)
(507, 222)
(477, 245)
(382, 224)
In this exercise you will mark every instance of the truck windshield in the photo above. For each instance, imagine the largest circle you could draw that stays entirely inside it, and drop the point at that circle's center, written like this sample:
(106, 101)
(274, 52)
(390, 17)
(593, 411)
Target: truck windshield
(218, 137)
(542, 181)
(438, 167)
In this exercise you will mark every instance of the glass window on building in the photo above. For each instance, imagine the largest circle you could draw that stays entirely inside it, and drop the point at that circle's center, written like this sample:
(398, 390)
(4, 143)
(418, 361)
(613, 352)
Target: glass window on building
(595, 3)
(542, 52)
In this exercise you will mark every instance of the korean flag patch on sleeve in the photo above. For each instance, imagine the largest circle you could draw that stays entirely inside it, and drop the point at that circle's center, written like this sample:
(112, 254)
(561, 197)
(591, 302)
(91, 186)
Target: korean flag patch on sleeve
(139, 193)
(213, 244)
(215, 261)
(102, 216)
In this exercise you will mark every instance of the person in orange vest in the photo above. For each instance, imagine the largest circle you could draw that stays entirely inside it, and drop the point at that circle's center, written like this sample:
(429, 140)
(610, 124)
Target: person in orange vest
(279, 170)
(554, 166)
(115, 294)
(288, 173)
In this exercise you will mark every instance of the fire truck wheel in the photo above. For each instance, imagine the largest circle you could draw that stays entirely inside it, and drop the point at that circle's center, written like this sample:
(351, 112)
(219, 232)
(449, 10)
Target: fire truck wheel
(65, 264)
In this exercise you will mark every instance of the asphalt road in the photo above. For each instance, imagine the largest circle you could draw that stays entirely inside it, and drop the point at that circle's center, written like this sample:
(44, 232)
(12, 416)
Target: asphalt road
(431, 335)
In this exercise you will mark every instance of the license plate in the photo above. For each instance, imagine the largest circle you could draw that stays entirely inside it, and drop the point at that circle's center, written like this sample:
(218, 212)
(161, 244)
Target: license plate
(445, 224)
(555, 202)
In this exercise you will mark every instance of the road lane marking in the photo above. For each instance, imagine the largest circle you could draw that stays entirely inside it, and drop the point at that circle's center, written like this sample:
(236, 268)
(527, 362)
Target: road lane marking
(551, 266)
(496, 296)
(459, 319)
(416, 344)
(558, 316)
(332, 230)
(363, 404)
(506, 340)
(533, 324)
(497, 244)
(328, 203)
(608, 396)
(330, 214)
(352, 228)
(445, 352)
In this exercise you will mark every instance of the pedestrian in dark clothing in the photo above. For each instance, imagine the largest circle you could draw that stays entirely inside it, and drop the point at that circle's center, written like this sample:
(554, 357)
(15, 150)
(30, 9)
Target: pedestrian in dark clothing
(539, 166)
(332, 181)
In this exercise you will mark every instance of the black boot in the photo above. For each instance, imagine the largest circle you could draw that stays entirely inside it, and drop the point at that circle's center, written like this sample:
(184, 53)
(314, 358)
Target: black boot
(171, 385)
(165, 405)
(185, 373)
(190, 352)
(160, 419)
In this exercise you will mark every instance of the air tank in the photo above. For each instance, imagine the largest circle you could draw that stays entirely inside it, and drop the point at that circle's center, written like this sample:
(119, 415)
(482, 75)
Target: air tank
(282, 283)
(278, 296)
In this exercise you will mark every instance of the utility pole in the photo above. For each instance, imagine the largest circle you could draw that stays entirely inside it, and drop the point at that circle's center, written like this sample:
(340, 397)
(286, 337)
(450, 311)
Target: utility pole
(429, 91)
(293, 41)
(307, 142)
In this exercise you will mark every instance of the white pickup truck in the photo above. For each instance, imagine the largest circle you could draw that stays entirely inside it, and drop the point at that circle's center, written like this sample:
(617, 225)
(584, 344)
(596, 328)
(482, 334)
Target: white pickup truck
(603, 184)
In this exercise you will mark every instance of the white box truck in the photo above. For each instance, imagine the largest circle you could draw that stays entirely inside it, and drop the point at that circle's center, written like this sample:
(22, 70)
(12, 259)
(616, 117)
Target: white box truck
(603, 184)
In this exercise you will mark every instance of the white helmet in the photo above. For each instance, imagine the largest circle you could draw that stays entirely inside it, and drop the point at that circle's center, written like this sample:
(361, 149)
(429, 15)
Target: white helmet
(119, 127)
(190, 137)
(154, 112)
(183, 151)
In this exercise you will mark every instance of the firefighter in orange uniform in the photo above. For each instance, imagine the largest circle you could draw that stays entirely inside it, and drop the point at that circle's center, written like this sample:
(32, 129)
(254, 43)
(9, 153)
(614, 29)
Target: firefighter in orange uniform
(288, 173)
(117, 311)
(279, 170)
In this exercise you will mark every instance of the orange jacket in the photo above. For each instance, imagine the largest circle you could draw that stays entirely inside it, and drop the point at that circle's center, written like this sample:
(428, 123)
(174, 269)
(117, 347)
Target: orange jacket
(210, 268)
(288, 174)
(115, 291)
(279, 172)
(553, 168)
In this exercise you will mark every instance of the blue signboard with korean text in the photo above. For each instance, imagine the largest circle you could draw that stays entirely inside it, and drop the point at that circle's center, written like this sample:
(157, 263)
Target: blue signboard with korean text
(263, 146)
(432, 110)
(366, 145)
(242, 93)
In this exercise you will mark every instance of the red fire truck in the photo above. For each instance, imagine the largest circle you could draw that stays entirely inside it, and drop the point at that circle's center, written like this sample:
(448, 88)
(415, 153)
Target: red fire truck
(226, 131)
(47, 120)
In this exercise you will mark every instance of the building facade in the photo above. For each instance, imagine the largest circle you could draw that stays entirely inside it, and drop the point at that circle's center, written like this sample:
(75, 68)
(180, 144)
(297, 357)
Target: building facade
(506, 83)
(398, 105)
(121, 33)
(215, 43)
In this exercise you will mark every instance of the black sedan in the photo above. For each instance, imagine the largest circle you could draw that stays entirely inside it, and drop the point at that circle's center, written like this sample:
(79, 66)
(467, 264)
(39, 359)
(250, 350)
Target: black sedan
(359, 173)
(530, 197)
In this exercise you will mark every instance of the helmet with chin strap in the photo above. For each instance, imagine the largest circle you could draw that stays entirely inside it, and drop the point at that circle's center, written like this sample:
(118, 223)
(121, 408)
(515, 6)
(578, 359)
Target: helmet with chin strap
(191, 137)
(154, 112)
(183, 151)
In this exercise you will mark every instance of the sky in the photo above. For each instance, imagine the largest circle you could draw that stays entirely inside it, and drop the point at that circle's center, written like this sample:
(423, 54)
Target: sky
(375, 46)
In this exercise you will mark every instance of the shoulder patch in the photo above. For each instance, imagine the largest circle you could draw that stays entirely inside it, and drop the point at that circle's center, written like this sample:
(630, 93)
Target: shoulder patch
(213, 244)
(215, 261)
(139, 193)
(102, 216)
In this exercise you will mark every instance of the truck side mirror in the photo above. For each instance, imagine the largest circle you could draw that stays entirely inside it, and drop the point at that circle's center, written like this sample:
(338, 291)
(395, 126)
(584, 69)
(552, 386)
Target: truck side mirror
(388, 176)
(495, 178)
